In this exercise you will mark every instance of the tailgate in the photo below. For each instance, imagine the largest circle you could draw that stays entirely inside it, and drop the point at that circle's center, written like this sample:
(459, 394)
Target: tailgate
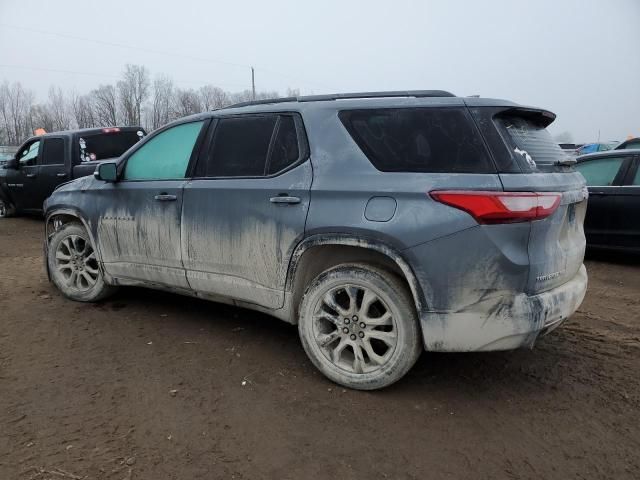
(557, 243)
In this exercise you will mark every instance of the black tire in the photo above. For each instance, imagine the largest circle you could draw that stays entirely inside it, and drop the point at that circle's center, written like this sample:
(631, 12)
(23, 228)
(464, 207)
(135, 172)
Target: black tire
(349, 289)
(62, 270)
(6, 210)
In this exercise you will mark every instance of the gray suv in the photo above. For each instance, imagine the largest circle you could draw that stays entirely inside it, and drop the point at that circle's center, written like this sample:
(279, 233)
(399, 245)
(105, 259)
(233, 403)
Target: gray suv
(381, 224)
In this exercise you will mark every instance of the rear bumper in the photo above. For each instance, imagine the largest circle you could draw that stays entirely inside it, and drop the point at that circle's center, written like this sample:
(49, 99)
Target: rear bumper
(503, 322)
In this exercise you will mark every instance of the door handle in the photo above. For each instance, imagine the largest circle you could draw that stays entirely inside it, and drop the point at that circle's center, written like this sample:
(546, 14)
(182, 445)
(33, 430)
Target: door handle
(284, 199)
(163, 197)
(30, 175)
(61, 175)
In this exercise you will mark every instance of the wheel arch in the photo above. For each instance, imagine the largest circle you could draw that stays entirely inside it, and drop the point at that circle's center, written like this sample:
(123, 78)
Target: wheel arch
(66, 215)
(319, 252)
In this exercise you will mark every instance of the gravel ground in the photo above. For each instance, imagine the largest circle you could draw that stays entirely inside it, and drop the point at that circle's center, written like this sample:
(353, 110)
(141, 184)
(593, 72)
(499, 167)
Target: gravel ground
(150, 385)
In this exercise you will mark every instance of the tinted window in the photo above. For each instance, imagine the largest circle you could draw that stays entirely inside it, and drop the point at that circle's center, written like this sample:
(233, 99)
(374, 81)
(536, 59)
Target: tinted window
(632, 145)
(418, 140)
(532, 140)
(240, 146)
(29, 154)
(53, 151)
(285, 146)
(600, 172)
(106, 145)
(165, 156)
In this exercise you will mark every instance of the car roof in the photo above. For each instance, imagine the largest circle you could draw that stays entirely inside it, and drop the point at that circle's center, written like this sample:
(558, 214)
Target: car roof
(82, 131)
(351, 101)
(608, 153)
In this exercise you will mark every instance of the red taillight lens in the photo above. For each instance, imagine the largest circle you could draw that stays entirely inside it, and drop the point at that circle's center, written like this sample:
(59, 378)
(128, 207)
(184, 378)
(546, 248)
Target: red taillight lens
(500, 207)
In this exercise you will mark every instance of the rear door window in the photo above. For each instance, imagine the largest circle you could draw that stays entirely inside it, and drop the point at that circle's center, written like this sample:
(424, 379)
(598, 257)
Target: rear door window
(600, 172)
(436, 140)
(252, 146)
(53, 152)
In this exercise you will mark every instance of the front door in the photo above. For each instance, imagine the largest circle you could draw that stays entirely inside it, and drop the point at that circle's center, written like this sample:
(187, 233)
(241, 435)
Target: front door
(139, 229)
(246, 211)
(23, 183)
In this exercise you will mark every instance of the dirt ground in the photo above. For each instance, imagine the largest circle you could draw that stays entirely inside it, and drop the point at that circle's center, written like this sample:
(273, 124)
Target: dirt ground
(154, 386)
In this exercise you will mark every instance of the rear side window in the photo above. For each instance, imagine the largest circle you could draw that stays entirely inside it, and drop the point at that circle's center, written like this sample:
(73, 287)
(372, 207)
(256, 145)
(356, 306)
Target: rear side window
(600, 172)
(53, 151)
(436, 140)
(631, 145)
(285, 146)
(252, 146)
(101, 146)
(165, 156)
(531, 140)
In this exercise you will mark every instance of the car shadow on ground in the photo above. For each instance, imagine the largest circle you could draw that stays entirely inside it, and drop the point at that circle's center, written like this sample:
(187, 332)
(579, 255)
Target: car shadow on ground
(463, 375)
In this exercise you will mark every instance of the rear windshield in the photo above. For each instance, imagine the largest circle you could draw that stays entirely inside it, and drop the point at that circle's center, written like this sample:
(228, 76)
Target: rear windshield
(437, 140)
(531, 140)
(101, 146)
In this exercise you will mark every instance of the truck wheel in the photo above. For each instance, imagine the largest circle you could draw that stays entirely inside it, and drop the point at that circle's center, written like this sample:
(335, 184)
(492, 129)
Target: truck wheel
(359, 327)
(74, 266)
(5, 210)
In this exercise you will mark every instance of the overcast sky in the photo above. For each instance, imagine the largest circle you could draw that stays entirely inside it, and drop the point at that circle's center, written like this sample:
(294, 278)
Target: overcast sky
(578, 58)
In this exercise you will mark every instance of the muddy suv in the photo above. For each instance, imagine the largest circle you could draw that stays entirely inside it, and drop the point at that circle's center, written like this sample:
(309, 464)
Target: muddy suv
(381, 224)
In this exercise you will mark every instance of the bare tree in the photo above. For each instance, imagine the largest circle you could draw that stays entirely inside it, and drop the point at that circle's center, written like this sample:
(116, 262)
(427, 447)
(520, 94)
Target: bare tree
(105, 105)
(213, 97)
(161, 105)
(15, 107)
(292, 92)
(83, 111)
(59, 109)
(133, 90)
(186, 102)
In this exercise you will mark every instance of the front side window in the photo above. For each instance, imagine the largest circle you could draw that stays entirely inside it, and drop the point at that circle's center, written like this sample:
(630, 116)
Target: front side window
(53, 151)
(29, 154)
(636, 179)
(632, 145)
(600, 172)
(436, 140)
(165, 156)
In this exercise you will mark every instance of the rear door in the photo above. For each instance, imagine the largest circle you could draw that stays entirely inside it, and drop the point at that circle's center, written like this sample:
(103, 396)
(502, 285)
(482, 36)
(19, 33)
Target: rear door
(556, 243)
(604, 176)
(54, 165)
(246, 209)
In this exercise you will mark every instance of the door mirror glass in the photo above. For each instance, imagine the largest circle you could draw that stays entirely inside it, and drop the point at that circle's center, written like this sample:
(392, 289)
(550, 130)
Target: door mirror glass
(11, 164)
(107, 172)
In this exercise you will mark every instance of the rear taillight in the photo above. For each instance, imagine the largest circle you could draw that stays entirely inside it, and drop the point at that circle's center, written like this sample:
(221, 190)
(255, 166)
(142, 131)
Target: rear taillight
(500, 207)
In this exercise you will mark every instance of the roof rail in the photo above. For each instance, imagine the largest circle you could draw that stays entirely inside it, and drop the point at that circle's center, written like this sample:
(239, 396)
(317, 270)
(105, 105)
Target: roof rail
(345, 96)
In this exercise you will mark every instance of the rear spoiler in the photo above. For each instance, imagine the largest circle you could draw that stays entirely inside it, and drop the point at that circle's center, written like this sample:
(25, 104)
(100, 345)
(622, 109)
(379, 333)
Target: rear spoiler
(537, 115)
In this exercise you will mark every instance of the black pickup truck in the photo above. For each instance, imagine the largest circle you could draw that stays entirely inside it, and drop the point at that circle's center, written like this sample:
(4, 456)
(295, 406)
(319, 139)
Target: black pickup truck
(44, 162)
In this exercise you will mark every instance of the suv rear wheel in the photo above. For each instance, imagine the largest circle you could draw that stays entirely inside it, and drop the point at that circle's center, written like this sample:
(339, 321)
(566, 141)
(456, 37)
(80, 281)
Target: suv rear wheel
(358, 325)
(74, 266)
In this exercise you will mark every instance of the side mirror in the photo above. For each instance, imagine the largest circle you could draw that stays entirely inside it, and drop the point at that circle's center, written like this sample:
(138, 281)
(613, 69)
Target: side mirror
(12, 164)
(107, 172)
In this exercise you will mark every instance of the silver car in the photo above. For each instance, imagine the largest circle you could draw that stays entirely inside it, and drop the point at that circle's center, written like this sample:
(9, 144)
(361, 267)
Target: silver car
(382, 224)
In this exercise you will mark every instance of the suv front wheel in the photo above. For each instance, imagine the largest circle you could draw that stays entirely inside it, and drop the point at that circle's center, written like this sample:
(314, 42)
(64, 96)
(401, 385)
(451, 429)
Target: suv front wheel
(74, 266)
(358, 325)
